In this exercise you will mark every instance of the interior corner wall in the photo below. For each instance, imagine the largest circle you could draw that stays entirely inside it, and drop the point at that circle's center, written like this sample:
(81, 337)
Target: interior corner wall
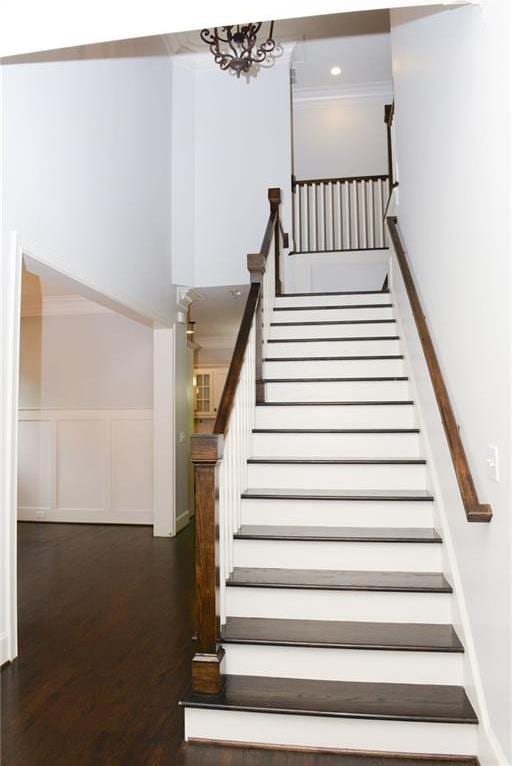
(86, 171)
(452, 97)
(243, 147)
(339, 137)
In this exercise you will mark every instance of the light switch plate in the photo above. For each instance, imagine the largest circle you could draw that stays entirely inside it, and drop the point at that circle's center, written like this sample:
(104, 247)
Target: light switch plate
(493, 462)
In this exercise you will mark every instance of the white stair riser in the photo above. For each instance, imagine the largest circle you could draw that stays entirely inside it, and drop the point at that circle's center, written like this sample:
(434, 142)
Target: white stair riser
(336, 445)
(316, 554)
(335, 664)
(335, 733)
(336, 476)
(353, 330)
(338, 513)
(323, 299)
(315, 604)
(337, 368)
(336, 416)
(334, 348)
(332, 314)
(338, 391)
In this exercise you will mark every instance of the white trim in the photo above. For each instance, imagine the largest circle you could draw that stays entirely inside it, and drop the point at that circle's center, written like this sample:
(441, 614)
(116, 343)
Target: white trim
(60, 305)
(379, 90)
(9, 383)
(164, 431)
(182, 521)
(117, 303)
(107, 510)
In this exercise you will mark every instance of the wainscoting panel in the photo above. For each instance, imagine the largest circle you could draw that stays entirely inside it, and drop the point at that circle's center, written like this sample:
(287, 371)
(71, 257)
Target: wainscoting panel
(85, 466)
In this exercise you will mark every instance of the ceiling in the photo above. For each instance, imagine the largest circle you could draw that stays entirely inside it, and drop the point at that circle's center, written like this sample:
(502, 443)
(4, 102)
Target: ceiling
(217, 317)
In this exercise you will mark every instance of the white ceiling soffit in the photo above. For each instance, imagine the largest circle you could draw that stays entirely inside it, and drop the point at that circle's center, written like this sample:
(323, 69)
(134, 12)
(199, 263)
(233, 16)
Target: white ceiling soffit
(31, 25)
(59, 305)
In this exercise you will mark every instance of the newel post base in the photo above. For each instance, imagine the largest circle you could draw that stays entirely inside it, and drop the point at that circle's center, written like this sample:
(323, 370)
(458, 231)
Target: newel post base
(207, 676)
(206, 452)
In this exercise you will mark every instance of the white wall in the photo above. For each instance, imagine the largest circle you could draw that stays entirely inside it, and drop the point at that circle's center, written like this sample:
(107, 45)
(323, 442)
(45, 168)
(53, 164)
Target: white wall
(85, 412)
(339, 137)
(95, 361)
(450, 71)
(86, 171)
(243, 147)
(183, 211)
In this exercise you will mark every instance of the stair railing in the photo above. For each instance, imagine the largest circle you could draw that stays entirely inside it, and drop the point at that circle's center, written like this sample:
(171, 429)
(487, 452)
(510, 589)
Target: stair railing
(475, 510)
(339, 214)
(220, 458)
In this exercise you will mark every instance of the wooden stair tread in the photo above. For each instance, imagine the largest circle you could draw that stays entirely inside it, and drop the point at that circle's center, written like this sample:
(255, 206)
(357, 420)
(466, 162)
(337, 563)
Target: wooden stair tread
(334, 340)
(393, 379)
(350, 358)
(391, 636)
(380, 403)
(420, 495)
(337, 292)
(343, 699)
(339, 534)
(345, 306)
(334, 579)
(333, 322)
(335, 461)
(335, 430)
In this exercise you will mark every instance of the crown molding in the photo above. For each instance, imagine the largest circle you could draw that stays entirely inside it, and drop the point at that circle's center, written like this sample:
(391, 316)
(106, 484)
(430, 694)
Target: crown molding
(60, 305)
(185, 296)
(377, 90)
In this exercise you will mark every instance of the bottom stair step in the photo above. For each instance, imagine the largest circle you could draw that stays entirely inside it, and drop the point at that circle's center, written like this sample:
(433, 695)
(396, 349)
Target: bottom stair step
(341, 699)
(378, 717)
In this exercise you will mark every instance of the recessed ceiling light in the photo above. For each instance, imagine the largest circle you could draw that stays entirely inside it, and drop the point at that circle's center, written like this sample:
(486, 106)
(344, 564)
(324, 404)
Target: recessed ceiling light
(335, 71)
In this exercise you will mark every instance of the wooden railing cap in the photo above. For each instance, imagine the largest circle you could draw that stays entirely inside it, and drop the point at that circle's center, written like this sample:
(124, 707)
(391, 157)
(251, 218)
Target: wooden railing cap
(274, 196)
(256, 266)
(206, 448)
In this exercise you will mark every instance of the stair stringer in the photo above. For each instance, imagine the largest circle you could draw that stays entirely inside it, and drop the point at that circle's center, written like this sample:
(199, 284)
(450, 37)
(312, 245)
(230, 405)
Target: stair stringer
(443, 484)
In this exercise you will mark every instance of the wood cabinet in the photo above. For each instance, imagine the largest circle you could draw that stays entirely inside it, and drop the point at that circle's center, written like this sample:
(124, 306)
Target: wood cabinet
(208, 386)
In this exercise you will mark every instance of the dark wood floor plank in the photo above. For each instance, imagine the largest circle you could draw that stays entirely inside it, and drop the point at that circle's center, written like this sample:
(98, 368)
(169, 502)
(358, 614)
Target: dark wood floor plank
(335, 430)
(348, 534)
(344, 699)
(343, 634)
(333, 579)
(379, 403)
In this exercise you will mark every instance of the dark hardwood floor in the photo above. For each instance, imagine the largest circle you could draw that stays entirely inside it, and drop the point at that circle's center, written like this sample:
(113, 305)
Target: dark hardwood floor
(106, 615)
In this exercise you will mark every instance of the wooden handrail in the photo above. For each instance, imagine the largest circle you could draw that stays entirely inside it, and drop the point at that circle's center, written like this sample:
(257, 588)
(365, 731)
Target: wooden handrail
(235, 367)
(475, 510)
(206, 455)
(344, 179)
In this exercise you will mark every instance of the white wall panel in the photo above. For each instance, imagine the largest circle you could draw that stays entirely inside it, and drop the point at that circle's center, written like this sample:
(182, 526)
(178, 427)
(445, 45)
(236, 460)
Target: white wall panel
(86, 466)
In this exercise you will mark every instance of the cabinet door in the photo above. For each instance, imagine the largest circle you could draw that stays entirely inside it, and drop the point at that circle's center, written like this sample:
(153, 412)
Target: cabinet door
(219, 378)
(203, 393)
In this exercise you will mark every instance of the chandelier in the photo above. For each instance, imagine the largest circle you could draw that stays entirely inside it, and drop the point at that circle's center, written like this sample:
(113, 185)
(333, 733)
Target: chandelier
(236, 48)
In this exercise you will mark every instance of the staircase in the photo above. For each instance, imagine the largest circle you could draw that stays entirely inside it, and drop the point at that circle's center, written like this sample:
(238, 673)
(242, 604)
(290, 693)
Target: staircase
(335, 614)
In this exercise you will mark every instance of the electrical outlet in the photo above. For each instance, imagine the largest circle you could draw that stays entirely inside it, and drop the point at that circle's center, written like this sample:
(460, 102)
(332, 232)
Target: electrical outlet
(493, 462)
(40, 515)
(182, 437)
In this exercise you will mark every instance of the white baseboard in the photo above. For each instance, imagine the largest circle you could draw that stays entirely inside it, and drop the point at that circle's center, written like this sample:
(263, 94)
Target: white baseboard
(182, 521)
(86, 516)
(4, 649)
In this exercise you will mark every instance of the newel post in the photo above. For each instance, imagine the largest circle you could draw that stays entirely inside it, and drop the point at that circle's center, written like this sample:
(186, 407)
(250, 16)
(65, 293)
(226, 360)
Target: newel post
(256, 266)
(206, 452)
(274, 197)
